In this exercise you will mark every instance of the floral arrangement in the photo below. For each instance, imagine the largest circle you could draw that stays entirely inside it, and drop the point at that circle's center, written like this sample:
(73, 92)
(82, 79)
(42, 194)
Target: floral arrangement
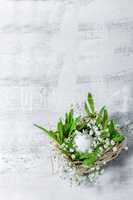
(87, 142)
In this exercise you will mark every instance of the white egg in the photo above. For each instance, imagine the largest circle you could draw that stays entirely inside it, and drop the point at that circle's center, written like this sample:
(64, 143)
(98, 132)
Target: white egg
(83, 142)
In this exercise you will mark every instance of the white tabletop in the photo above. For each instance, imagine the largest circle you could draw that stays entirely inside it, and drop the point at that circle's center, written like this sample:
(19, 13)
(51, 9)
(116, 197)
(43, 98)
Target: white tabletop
(52, 53)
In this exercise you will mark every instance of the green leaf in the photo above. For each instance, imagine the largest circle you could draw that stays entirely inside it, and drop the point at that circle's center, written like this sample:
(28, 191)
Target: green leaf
(51, 134)
(84, 156)
(115, 135)
(43, 129)
(98, 119)
(66, 118)
(87, 109)
(105, 119)
(105, 134)
(72, 128)
(118, 138)
(77, 120)
(100, 116)
(91, 103)
(111, 127)
(102, 110)
(90, 160)
(60, 134)
(70, 115)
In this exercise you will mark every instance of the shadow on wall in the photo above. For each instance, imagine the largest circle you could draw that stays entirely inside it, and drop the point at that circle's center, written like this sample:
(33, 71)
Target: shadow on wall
(121, 166)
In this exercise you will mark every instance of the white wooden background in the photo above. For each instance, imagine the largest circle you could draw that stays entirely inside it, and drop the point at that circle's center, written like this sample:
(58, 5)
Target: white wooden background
(52, 52)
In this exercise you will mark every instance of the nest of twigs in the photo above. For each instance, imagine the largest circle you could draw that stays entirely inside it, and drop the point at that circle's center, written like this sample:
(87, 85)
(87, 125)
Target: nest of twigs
(107, 156)
(88, 142)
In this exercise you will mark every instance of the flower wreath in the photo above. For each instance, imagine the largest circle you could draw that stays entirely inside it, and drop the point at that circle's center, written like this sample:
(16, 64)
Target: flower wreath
(88, 142)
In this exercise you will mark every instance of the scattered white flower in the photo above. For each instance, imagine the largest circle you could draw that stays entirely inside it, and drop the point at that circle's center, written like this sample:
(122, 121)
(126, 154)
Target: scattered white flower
(88, 125)
(73, 156)
(91, 177)
(98, 133)
(99, 155)
(93, 168)
(126, 148)
(114, 149)
(70, 164)
(104, 162)
(91, 132)
(113, 142)
(107, 143)
(107, 140)
(96, 173)
(92, 122)
(94, 143)
(63, 145)
(106, 146)
(97, 167)
(95, 128)
(85, 132)
(98, 142)
(100, 139)
(102, 171)
(101, 149)
(77, 132)
(71, 150)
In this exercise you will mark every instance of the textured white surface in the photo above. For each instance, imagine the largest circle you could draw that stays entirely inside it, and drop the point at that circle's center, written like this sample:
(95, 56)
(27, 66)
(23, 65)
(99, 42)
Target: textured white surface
(51, 54)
